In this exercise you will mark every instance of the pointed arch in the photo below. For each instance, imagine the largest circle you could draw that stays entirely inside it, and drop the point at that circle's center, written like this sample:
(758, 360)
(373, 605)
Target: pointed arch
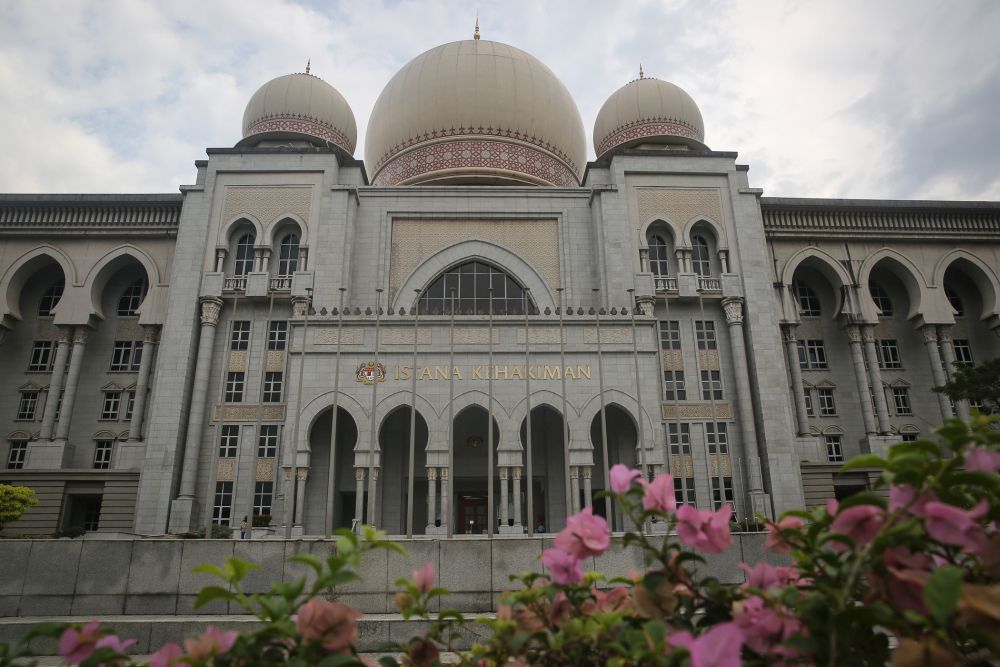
(626, 402)
(981, 273)
(721, 242)
(23, 268)
(111, 263)
(824, 262)
(282, 223)
(403, 399)
(227, 230)
(318, 405)
(905, 270)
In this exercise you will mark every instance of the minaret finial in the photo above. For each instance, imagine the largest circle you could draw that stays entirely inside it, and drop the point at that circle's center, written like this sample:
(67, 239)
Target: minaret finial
(641, 75)
(308, 64)
(475, 35)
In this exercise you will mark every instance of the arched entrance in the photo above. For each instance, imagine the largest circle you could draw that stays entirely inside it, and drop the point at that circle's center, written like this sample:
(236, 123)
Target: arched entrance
(316, 499)
(622, 442)
(469, 490)
(394, 443)
(548, 463)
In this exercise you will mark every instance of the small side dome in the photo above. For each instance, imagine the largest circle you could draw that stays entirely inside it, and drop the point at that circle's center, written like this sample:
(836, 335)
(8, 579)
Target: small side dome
(300, 107)
(648, 111)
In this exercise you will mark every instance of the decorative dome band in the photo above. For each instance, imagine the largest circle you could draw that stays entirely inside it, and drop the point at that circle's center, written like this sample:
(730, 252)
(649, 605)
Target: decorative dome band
(302, 126)
(652, 127)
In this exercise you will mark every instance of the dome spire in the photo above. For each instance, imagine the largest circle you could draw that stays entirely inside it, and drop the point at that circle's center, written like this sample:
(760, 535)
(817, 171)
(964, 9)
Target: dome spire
(641, 75)
(475, 34)
(309, 63)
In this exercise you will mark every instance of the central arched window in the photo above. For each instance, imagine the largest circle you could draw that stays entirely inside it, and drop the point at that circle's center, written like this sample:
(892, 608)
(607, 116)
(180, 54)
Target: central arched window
(470, 284)
(51, 298)
(881, 299)
(808, 300)
(128, 304)
(288, 256)
(244, 255)
(659, 253)
(701, 261)
(955, 300)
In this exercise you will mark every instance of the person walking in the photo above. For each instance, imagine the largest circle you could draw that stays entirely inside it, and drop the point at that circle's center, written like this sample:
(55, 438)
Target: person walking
(243, 528)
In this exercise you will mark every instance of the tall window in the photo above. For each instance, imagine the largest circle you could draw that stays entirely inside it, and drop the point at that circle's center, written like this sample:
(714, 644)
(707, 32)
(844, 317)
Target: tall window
(263, 492)
(51, 298)
(901, 401)
(239, 339)
(812, 354)
(684, 490)
(711, 385)
(267, 442)
(717, 437)
(808, 300)
(834, 448)
(18, 452)
(272, 387)
(659, 253)
(229, 440)
(234, 387)
(126, 355)
(243, 263)
(680, 445)
(670, 335)
(277, 335)
(705, 334)
(955, 300)
(963, 352)
(102, 455)
(827, 405)
(470, 283)
(701, 262)
(881, 299)
(131, 298)
(222, 508)
(27, 405)
(807, 393)
(721, 493)
(41, 359)
(887, 351)
(129, 404)
(673, 386)
(288, 255)
(112, 404)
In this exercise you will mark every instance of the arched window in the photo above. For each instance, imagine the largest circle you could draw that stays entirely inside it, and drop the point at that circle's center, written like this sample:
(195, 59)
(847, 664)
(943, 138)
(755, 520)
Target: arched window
(51, 298)
(288, 256)
(955, 300)
(244, 255)
(701, 261)
(128, 304)
(659, 252)
(808, 300)
(470, 283)
(881, 299)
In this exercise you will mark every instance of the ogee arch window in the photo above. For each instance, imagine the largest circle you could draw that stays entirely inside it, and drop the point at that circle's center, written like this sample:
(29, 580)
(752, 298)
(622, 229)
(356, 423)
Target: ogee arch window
(288, 256)
(244, 255)
(470, 283)
(128, 304)
(51, 298)
(701, 260)
(659, 253)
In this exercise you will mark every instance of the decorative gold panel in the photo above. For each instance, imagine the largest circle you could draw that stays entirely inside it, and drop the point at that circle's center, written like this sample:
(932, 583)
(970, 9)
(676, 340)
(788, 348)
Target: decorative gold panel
(727, 465)
(540, 335)
(397, 336)
(608, 335)
(708, 360)
(237, 360)
(679, 205)
(248, 413)
(697, 411)
(275, 361)
(265, 470)
(682, 465)
(673, 360)
(267, 203)
(226, 470)
(328, 336)
(474, 336)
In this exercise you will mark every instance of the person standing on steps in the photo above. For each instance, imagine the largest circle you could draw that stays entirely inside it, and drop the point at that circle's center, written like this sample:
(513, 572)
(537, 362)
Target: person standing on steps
(243, 528)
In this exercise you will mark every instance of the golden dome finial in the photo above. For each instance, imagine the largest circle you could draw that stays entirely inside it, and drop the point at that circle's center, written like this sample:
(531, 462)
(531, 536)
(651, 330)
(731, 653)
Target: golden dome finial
(308, 64)
(475, 35)
(641, 75)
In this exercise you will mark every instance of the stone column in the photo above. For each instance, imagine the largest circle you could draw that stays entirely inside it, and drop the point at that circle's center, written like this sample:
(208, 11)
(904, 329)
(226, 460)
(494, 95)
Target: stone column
(724, 260)
(504, 499)
(588, 493)
(431, 499)
(373, 493)
(574, 485)
(182, 509)
(445, 498)
(359, 496)
(516, 475)
(301, 475)
(861, 376)
(142, 383)
(72, 380)
(798, 390)
(937, 368)
(56, 383)
(733, 308)
(875, 379)
(948, 356)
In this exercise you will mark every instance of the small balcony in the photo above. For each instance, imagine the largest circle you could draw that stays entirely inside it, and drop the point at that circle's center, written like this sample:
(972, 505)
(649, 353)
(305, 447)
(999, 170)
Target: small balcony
(665, 283)
(706, 284)
(235, 284)
(281, 284)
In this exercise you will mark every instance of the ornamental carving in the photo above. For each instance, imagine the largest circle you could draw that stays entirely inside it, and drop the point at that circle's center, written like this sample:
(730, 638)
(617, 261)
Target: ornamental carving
(708, 360)
(696, 411)
(63, 334)
(608, 335)
(211, 308)
(734, 310)
(274, 362)
(302, 474)
(300, 307)
(432, 474)
(540, 336)
(673, 360)
(225, 471)
(853, 334)
(265, 470)
(679, 205)
(930, 333)
(359, 474)
(80, 335)
(313, 128)
(404, 336)
(788, 332)
(713, 465)
(248, 413)
(267, 203)
(647, 127)
(330, 336)
(371, 372)
(944, 335)
(150, 334)
(683, 465)
(474, 336)
(237, 360)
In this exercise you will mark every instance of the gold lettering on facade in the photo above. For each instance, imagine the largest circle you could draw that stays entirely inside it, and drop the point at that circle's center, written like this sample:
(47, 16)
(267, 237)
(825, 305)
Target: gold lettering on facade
(425, 374)
(583, 372)
(570, 373)
(477, 373)
(456, 373)
(440, 372)
(515, 374)
(551, 373)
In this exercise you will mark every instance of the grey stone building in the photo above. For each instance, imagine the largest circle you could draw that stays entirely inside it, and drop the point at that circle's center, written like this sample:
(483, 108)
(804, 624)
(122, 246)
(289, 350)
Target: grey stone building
(320, 341)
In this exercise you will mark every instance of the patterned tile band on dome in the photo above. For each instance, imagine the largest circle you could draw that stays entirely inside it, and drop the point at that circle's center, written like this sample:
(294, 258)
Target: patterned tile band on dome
(475, 132)
(302, 126)
(646, 128)
(476, 154)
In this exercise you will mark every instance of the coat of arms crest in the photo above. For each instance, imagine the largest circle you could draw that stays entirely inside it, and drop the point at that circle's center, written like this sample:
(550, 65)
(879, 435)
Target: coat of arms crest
(370, 372)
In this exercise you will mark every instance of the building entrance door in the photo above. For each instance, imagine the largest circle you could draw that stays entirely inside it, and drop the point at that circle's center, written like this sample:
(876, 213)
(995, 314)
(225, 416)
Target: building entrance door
(471, 515)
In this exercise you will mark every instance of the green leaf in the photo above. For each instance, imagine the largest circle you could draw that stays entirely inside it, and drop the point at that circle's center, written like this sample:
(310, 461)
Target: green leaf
(208, 568)
(975, 478)
(864, 461)
(238, 569)
(862, 498)
(918, 446)
(209, 593)
(942, 592)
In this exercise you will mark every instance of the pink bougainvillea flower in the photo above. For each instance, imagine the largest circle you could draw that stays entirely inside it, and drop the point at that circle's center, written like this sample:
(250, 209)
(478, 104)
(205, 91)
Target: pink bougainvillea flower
(113, 642)
(900, 495)
(166, 656)
(212, 642)
(77, 645)
(982, 459)
(424, 578)
(907, 575)
(704, 530)
(766, 628)
(622, 477)
(561, 610)
(659, 494)
(330, 623)
(565, 567)
(585, 535)
(765, 576)
(775, 541)
(953, 525)
(860, 523)
(719, 647)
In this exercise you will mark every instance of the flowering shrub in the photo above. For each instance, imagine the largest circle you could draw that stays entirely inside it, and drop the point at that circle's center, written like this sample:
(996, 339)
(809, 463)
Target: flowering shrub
(906, 574)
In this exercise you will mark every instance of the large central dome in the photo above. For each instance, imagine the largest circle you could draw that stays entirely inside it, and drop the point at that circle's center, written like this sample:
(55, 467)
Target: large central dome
(475, 112)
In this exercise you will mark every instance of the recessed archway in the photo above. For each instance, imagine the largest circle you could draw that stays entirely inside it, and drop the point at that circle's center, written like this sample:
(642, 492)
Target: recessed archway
(470, 486)
(394, 443)
(622, 442)
(548, 463)
(316, 493)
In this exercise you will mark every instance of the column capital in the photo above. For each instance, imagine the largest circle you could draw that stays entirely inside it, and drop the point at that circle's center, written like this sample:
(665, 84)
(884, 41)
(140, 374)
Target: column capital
(788, 331)
(150, 333)
(64, 334)
(733, 306)
(867, 332)
(574, 472)
(502, 471)
(431, 473)
(944, 333)
(359, 474)
(80, 335)
(853, 333)
(587, 470)
(516, 472)
(302, 474)
(929, 332)
(211, 308)
(375, 474)
(444, 474)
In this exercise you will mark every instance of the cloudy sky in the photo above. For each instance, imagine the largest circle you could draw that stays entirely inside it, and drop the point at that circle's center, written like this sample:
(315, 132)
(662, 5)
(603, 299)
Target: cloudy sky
(824, 99)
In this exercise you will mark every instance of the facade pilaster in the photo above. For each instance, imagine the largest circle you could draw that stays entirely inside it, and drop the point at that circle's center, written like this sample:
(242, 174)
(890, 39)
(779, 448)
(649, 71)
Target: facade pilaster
(516, 482)
(80, 335)
(875, 379)
(445, 504)
(55, 383)
(854, 338)
(431, 500)
(948, 356)
(795, 370)
(504, 497)
(930, 334)
(588, 492)
(574, 485)
(359, 496)
(301, 475)
(130, 454)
